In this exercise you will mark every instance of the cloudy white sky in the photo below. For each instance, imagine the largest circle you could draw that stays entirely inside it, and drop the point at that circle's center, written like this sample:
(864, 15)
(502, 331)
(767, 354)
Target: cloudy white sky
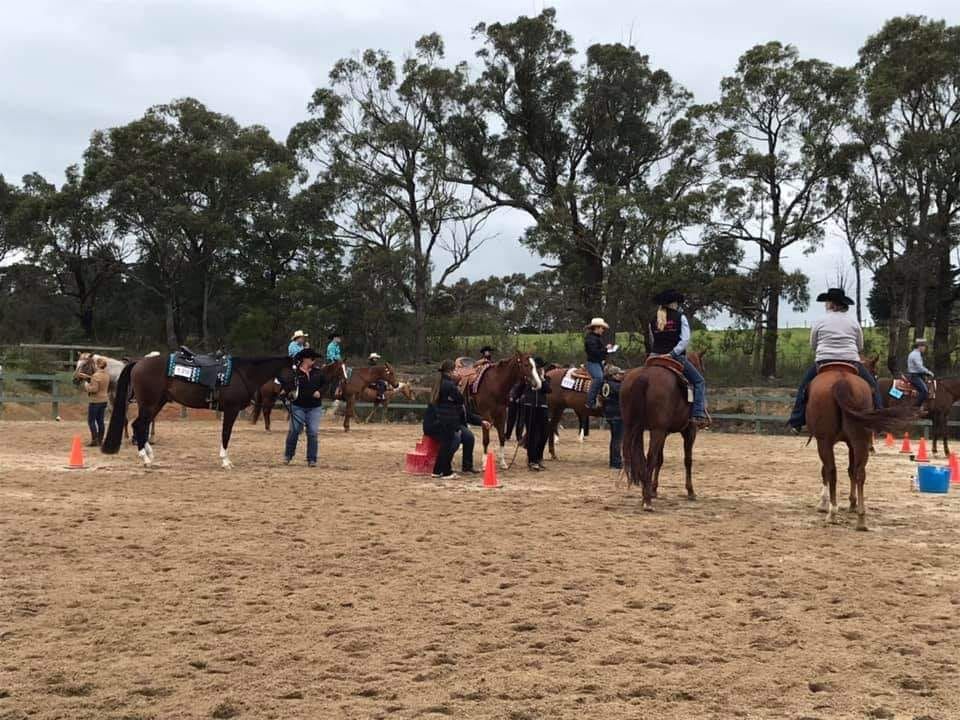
(71, 66)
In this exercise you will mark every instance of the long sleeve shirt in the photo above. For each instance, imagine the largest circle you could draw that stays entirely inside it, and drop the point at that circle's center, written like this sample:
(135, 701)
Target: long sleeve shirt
(333, 352)
(595, 347)
(681, 347)
(915, 364)
(293, 348)
(836, 336)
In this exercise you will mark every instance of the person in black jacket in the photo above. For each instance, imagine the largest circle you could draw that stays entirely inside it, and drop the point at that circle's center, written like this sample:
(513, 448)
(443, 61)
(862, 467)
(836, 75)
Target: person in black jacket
(534, 403)
(669, 334)
(596, 350)
(307, 408)
(611, 412)
(446, 420)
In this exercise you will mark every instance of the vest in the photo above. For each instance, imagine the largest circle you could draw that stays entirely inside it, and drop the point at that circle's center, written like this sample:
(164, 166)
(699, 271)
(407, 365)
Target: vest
(666, 340)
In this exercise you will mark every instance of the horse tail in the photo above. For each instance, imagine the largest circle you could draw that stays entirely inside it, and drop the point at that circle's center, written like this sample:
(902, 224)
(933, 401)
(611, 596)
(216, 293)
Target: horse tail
(118, 418)
(633, 452)
(886, 420)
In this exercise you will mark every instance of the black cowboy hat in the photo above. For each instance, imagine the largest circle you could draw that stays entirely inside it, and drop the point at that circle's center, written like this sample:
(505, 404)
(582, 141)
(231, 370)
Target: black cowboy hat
(668, 296)
(835, 295)
(334, 334)
(446, 366)
(539, 362)
(304, 354)
(487, 348)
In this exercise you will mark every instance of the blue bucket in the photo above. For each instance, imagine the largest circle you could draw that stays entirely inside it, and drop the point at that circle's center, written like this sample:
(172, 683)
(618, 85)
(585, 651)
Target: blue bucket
(933, 479)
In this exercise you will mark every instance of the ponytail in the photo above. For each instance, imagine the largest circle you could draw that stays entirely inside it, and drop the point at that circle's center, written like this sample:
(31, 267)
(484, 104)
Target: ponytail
(661, 318)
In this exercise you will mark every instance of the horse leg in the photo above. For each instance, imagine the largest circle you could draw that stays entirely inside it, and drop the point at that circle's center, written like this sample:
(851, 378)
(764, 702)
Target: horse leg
(852, 472)
(229, 417)
(689, 436)
(500, 423)
(552, 438)
(266, 410)
(654, 459)
(829, 475)
(140, 428)
(486, 444)
(584, 422)
(348, 413)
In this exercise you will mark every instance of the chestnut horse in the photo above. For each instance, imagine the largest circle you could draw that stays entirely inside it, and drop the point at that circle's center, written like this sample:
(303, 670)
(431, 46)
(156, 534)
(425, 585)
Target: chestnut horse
(153, 389)
(560, 399)
(358, 381)
(265, 398)
(948, 392)
(492, 397)
(369, 394)
(840, 409)
(652, 398)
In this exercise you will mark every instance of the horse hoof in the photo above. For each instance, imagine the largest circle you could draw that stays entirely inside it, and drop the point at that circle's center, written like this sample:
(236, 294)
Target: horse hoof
(647, 507)
(691, 496)
(862, 528)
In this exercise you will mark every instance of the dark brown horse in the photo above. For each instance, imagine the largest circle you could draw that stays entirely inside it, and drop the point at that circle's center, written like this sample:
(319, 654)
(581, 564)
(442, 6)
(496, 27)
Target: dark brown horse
(153, 389)
(840, 409)
(653, 399)
(561, 399)
(938, 409)
(265, 399)
(358, 381)
(492, 396)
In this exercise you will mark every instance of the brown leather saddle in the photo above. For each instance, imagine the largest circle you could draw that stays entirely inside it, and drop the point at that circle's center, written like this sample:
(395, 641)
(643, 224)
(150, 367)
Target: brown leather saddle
(844, 367)
(468, 373)
(907, 389)
(668, 363)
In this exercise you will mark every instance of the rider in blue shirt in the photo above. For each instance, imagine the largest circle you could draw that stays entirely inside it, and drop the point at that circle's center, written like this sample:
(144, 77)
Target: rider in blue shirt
(334, 352)
(298, 341)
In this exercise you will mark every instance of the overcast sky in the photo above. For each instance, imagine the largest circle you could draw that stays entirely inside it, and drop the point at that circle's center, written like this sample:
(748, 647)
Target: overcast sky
(72, 66)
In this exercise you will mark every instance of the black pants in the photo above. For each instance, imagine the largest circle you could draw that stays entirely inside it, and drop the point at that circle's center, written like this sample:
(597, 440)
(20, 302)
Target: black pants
(616, 440)
(95, 414)
(536, 421)
(449, 442)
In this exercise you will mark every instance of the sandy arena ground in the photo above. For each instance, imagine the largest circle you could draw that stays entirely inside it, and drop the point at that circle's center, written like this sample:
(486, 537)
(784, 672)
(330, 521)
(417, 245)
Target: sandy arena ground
(355, 591)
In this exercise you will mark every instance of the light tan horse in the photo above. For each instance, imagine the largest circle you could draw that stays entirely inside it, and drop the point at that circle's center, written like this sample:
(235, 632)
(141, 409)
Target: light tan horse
(369, 394)
(358, 381)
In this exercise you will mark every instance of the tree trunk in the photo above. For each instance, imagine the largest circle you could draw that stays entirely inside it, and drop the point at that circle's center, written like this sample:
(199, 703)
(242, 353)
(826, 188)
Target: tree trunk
(945, 295)
(769, 364)
(86, 321)
(204, 310)
(858, 272)
(420, 296)
(171, 329)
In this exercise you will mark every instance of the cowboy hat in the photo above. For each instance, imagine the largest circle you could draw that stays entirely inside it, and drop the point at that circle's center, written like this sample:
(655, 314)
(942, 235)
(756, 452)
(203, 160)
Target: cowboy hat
(598, 322)
(298, 334)
(539, 362)
(373, 356)
(304, 354)
(919, 341)
(487, 348)
(668, 296)
(334, 334)
(835, 295)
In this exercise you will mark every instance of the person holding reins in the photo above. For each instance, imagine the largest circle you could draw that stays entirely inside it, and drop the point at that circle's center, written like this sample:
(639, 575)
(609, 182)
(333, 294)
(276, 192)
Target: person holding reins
(917, 372)
(97, 386)
(597, 350)
(669, 334)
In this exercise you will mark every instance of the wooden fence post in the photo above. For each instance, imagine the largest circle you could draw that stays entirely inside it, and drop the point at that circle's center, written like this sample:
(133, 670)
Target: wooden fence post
(54, 386)
(757, 407)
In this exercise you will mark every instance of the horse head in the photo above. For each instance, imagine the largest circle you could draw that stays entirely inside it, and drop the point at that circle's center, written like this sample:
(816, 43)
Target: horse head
(528, 369)
(85, 365)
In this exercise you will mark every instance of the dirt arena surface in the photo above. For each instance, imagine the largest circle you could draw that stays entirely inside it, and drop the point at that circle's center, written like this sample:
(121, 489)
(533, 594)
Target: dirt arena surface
(355, 591)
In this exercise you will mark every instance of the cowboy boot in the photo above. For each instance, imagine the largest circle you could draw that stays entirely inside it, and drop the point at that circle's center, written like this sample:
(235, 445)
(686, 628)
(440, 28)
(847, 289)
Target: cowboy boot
(94, 440)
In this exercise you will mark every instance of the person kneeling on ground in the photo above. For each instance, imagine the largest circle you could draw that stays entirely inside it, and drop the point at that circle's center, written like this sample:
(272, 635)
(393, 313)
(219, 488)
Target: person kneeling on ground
(836, 337)
(446, 421)
(611, 412)
(307, 408)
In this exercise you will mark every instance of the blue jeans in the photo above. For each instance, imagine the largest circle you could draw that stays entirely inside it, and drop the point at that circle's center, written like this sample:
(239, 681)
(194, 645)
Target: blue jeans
(798, 417)
(596, 373)
(699, 388)
(301, 417)
(616, 440)
(918, 381)
(95, 413)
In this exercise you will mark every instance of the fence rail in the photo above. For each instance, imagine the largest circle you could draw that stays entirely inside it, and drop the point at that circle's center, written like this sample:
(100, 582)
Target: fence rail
(720, 397)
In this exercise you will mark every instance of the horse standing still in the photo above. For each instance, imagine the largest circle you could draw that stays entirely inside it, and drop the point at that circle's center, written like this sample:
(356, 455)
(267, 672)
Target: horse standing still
(86, 364)
(369, 394)
(265, 398)
(938, 408)
(492, 396)
(652, 398)
(358, 381)
(561, 399)
(840, 409)
(153, 389)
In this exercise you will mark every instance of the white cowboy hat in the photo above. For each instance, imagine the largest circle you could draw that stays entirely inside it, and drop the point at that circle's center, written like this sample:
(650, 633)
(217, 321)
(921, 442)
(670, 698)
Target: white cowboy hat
(919, 341)
(373, 356)
(598, 322)
(299, 333)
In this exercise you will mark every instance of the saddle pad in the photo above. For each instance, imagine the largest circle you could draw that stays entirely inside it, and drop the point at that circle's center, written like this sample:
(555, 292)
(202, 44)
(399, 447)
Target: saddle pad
(905, 387)
(211, 376)
(573, 380)
(838, 366)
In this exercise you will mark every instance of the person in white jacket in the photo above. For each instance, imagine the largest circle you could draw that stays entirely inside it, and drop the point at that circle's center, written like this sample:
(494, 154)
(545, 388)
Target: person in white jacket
(917, 372)
(836, 337)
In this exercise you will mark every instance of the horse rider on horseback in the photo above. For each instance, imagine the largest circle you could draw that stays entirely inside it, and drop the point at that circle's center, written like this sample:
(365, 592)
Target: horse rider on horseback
(836, 337)
(373, 359)
(334, 349)
(486, 356)
(917, 372)
(298, 341)
(669, 334)
(596, 350)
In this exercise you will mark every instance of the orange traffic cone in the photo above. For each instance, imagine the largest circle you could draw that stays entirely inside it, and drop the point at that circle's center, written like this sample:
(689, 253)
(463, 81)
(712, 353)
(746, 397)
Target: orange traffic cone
(490, 472)
(954, 468)
(922, 451)
(76, 454)
(889, 441)
(905, 448)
